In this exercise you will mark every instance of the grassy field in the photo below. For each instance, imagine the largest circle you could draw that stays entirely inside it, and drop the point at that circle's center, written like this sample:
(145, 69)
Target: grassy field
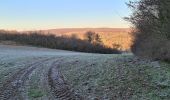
(45, 74)
(118, 77)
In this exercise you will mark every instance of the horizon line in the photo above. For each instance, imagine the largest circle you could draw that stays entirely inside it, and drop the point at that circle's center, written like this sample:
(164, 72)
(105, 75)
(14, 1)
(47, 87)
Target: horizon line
(66, 28)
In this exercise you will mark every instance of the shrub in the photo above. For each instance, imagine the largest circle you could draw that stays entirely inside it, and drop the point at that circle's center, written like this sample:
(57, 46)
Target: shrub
(151, 22)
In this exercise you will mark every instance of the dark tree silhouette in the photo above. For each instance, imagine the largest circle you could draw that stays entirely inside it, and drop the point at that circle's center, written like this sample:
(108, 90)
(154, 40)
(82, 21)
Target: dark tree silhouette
(151, 23)
(93, 37)
(98, 39)
(90, 36)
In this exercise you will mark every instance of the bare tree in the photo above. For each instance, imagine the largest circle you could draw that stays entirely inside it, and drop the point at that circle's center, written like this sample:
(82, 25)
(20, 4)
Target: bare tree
(98, 39)
(93, 37)
(90, 36)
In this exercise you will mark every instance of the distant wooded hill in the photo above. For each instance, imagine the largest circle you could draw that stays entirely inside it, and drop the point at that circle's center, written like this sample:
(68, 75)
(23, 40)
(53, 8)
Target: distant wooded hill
(110, 36)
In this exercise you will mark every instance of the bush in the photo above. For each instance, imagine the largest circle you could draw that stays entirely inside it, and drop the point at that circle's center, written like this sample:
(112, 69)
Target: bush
(151, 22)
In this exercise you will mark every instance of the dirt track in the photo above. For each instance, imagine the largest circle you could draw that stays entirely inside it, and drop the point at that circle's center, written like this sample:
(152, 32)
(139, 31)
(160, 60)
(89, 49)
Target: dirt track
(36, 62)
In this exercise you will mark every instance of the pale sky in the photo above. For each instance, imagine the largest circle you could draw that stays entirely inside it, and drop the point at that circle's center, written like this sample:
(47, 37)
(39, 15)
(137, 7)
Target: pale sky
(51, 14)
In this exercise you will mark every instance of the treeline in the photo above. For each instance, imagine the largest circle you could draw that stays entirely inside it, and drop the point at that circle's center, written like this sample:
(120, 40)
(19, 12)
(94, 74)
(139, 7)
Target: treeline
(56, 42)
(151, 22)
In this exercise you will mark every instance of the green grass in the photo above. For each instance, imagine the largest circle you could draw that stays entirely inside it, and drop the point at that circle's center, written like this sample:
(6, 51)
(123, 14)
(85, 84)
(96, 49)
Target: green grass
(35, 93)
(34, 90)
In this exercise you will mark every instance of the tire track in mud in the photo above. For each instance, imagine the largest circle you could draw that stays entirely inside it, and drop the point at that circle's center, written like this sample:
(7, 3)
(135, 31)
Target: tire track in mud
(41, 74)
(60, 88)
(11, 87)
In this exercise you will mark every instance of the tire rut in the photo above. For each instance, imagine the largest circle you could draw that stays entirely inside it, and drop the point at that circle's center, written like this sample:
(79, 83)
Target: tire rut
(60, 88)
(11, 88)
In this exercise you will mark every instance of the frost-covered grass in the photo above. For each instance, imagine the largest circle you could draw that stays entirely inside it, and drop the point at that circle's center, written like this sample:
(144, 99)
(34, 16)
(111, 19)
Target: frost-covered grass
(117, 77)
(102, 76)
(37, 85)
(15, 58)
(8, 66)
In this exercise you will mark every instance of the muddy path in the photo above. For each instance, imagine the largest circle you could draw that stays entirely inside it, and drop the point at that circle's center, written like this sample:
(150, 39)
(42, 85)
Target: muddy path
(41, 74)
(14, 86)
(59, 86)
(11, 87)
